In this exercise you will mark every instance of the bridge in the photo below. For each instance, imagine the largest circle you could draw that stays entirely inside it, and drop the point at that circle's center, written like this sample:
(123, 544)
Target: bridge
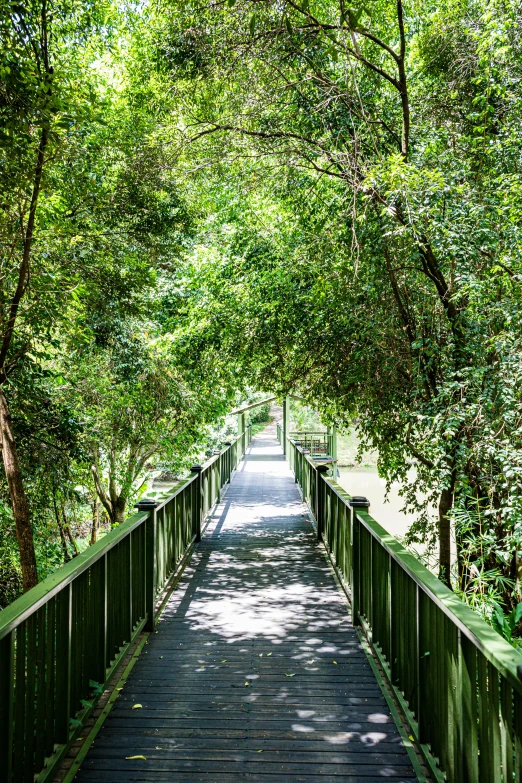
(255, 624)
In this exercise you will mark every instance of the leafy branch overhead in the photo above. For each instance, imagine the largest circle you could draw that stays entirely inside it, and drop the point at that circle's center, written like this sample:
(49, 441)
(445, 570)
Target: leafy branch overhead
(204, 199)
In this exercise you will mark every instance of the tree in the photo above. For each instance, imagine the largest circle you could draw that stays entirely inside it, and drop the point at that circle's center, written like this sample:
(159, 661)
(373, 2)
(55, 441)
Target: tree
(412, 116)
(85, 212)
(44, 49)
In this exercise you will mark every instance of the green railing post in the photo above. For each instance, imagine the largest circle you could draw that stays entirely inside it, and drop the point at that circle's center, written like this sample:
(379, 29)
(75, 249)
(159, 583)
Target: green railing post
(332, 441)
(356, 565)
(242, 434)
(228, 462)
(358, 501)
(6, 705)
(147, 504)
(286, 421)
(103, 663)
(197, 500)
(320, 498)
(63, 663)
(217, 476)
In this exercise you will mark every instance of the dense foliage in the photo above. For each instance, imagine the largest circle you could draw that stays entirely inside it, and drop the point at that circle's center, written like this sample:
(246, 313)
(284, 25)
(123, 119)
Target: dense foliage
(304, 197)
(96, 395)
(363, 246)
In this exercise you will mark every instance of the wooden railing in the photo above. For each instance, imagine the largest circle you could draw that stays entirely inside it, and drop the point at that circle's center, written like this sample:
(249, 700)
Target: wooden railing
(457, 681)
(61, 642)
(314, 441)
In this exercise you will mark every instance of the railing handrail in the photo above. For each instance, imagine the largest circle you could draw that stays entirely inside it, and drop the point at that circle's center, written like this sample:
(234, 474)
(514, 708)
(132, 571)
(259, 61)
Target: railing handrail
(312, 460)
(496, 649)
(308, 432)
(493, 646)
(455, 678)
(249, 407)
(23, 606)
(30, 602)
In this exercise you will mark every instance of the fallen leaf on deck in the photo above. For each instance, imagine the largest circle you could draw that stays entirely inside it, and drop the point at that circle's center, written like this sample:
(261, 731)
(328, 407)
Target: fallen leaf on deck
(136, 758)
(137, 707)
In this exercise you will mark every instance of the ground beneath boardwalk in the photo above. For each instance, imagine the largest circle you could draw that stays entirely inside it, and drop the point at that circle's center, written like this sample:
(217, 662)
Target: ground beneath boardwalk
(255, 673)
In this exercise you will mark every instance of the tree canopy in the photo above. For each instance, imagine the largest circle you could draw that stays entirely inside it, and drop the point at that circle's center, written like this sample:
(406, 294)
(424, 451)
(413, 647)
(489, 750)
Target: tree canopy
(299, 197)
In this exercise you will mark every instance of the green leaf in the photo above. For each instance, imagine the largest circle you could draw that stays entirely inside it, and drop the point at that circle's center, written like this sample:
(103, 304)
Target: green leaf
(351, 16)
(517, 614)
(253, 21)
(500, 624)
(95, 686)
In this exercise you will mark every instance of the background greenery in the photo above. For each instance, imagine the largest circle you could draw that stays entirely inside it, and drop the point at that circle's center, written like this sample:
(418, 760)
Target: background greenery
(199, 200)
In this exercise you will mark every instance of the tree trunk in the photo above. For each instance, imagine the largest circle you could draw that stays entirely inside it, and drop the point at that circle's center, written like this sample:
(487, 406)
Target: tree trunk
(118, 513)
(95, 522)
(24, 530)
(462, 569)
(70, 536)
(445, 506)
(63, 539)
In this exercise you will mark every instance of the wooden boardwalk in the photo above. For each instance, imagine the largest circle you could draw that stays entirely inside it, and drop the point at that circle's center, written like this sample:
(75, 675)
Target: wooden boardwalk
(255, 673)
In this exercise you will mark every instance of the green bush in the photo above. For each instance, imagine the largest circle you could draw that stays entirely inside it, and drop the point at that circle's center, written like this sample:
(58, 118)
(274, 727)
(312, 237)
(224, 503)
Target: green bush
(260, 415)
(10, 577)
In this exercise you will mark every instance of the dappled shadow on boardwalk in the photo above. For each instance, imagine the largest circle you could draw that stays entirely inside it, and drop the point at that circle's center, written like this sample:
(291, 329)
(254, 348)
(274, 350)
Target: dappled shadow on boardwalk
(255, 672)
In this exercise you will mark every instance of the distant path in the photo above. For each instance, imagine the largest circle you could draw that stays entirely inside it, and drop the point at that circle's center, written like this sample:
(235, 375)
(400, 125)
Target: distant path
(255, 673)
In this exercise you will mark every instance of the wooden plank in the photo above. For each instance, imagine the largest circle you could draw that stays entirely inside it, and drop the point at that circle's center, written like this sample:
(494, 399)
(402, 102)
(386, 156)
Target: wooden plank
(224, 730)
(286, 756)
(256, 767)
(194, 720)
(207, 741)
(257, 605)
(129, 776)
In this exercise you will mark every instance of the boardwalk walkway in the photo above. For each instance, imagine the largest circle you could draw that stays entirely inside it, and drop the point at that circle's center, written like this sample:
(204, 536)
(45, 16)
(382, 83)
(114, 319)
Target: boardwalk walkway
(255, 673)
